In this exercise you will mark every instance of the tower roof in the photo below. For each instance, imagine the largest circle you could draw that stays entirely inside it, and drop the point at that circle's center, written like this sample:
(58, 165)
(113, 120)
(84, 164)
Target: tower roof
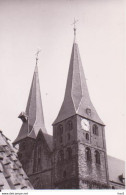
(76, 99)
(33, 119)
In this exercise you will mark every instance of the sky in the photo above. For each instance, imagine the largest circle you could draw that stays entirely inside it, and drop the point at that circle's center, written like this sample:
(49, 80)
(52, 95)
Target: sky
(29, 25)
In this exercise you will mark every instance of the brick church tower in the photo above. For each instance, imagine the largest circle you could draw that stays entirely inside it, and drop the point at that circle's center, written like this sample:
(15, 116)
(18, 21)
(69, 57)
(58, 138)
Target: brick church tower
(75, 157)
(35, 145)
(80, 159)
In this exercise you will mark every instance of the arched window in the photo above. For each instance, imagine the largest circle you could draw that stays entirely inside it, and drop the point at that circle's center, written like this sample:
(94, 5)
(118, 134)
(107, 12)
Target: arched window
(95, 129)
(87, 136)
(69, 153)
(97, 157)
(69, 125)
(88, 154)
(61, 155)
(60, 129)
(60, 133)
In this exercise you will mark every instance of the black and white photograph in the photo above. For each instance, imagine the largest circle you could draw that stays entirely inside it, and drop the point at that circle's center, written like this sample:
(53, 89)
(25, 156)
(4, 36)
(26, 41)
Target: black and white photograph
(62, 100)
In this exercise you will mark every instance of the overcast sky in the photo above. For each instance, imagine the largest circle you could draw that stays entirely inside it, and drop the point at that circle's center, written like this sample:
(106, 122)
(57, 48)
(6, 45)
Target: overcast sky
(26, 25)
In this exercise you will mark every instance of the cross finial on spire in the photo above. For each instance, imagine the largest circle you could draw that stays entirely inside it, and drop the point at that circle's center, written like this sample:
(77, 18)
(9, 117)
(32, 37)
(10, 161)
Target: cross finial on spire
(74, 23)
(37, 53)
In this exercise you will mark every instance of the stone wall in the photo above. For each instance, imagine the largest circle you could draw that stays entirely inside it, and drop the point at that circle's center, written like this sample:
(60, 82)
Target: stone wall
(58, 143)
(42, 155)
(65, 175)
(89, 169)
(26, 154)
(36, 159)
(91, 174)
(42, 180)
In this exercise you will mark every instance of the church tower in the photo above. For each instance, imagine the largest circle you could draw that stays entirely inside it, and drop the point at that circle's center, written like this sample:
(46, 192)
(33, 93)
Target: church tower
(80, 159)
(35, 145)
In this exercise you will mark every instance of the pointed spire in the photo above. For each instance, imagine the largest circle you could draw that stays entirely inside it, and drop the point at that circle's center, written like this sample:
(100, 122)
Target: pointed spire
(77, 100)
(34, 112)
(74, 23)
(37, 53)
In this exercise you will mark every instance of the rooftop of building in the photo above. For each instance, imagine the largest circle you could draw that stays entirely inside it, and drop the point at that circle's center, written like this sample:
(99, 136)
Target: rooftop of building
(12, 175)
(116, 168)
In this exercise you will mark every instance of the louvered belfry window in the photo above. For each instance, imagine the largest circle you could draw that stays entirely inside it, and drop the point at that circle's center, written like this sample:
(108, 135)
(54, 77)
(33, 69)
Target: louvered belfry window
(95, 129)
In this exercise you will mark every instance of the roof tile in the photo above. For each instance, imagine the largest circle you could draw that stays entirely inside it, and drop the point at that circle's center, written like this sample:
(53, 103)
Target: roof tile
(10, 167)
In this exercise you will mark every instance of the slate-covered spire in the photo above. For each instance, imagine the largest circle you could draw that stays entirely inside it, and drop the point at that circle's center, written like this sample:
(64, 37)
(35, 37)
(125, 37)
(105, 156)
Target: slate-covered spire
(76, 99)
(33, 119)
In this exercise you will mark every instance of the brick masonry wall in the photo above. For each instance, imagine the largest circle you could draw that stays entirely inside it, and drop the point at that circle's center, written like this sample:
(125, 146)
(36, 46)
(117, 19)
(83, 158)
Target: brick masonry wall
(67, 166)
(90, 171)
(65, 141)
(94, 140)
(42, 180)
(37, 171)
(26, 154)
(88, 175)
(42, 171)
(45, 155)
(91, 174)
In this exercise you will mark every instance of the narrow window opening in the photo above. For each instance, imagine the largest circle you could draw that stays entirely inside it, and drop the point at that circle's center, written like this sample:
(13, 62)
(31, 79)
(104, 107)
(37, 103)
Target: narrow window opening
(95, 129)
(69, 153)
(60, 130)
(87, 136)
(88, 154)
(97, 157)
(61, 155)
(60, 133)
(69, 125)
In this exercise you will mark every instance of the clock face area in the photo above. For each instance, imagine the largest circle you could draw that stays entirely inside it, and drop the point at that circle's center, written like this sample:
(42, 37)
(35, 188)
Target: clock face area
(85, 124)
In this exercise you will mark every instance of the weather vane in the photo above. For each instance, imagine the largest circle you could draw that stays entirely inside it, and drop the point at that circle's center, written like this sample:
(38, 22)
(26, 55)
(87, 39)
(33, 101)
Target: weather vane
(74, 23)
(37, 53)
